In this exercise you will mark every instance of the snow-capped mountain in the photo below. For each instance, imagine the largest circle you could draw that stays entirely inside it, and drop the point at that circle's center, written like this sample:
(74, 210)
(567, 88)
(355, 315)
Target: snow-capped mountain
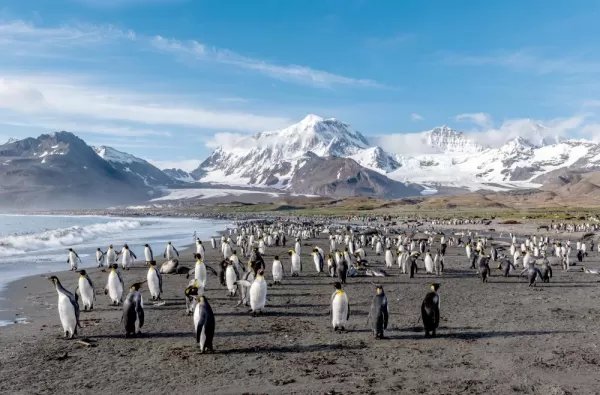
(180, 175)
(149, 174)
(60, 170)
(272, 158)
(450, 157)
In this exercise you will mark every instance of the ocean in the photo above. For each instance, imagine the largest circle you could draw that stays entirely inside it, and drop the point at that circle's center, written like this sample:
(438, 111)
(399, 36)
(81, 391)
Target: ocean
(37, 244)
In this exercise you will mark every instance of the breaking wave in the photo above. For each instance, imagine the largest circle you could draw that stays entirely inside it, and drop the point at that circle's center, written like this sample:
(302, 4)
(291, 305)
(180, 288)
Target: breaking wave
(63, 237)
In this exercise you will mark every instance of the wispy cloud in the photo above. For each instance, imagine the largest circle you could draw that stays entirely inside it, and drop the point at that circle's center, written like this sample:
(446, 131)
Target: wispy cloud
(416, 117)
(480, 119)
(25, 39)
(295, 73)
(528, 60)
(124, 3)
(37, 97)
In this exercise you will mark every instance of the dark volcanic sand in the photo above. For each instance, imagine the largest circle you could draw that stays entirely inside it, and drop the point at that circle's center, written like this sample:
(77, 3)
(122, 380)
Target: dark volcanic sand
(497, 338)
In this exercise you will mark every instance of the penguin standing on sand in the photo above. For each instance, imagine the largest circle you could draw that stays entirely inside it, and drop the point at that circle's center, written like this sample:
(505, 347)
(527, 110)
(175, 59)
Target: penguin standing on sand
(319, 261)
(111, 256)
(430, 310)
(277, 270)
(68, 309)
(389, 258)
(484, 268)
(331, 266)
(204, 324)
(170, 252)
(258, 293)
(73, 259)
(533, 273)
(340, 308)
(231, 276)
(412, 262)
(200, 248)
(200, 272)
(115, 286)
(86, 290)
(127, 257)
(148, 254)
(296, 263)
(155, 281)
(213, 242)
(133, 311)
(379, 313)
(191, 297)
(546, 271)
(99, 257)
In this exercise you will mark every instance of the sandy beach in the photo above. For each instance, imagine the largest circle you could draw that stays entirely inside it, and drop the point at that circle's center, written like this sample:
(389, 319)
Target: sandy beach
(501, 337)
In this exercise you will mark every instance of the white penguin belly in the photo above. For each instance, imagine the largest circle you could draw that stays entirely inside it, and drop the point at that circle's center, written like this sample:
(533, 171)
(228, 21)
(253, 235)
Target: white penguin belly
(66, 312)
(230, 278)
(147, 255)
(258, 295)
(339, 308)
(296, 263)
(200, 275)
(428, 264)
(115, 289)
(86, 291)
(153, 283)
(277, 271)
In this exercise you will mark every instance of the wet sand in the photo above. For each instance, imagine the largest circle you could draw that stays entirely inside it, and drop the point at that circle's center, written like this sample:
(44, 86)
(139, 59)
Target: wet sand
(501, 337)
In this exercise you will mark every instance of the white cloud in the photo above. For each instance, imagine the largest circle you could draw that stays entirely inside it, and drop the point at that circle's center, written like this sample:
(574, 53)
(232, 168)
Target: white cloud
(183, 164)
(535, 131)
(23, 95)
(416, 117)
(194, 49)
(480, 119)
(24, 39)
(527, 60)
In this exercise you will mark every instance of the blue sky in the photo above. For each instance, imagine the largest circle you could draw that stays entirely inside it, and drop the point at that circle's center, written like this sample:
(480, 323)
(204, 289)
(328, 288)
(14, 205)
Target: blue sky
(160, 79)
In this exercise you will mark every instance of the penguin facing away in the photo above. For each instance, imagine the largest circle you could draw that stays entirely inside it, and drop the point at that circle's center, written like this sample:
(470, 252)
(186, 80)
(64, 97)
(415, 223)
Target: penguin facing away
(340, 308)
(430, 311)
(204, 324)
(133, 311)
(68, 309)
(379, 313)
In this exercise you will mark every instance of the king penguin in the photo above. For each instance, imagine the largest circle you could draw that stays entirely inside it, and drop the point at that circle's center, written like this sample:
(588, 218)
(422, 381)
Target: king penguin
(204, 324)
(379, 313)
(133, 311)
(155, 281)
(170, 252)
(148, 254)
(340, 308)
(296, 263)
(73, 259)
(258, 292)
(319, 260)
(68, 309)
(86, 290)
(430, 310)
(100, 257)
(277, 270)
(114, 287)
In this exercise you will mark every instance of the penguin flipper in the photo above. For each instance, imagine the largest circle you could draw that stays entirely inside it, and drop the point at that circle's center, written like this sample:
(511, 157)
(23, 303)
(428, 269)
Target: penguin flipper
(385, 313)
(348, 315)
(210, 269)
(244, 283)
(140, 312)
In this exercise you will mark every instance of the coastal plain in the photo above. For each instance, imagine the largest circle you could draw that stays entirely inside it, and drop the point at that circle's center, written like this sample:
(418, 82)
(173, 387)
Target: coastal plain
(499, 337)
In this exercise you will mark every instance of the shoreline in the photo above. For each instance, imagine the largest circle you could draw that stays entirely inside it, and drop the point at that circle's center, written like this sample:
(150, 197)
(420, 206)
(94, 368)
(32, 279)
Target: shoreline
(548, 331)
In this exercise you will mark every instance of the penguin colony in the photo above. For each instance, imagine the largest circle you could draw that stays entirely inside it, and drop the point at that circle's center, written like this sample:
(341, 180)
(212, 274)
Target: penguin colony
(347, 258)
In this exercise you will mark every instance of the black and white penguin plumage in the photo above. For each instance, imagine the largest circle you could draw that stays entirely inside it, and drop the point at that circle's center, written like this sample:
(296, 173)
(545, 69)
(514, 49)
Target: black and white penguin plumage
(379, 313)
(133, 311)
(430, 311)
(68, 309)
(204, 324)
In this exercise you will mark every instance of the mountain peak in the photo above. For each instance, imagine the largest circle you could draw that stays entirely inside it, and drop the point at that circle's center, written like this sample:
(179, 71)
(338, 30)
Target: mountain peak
(446, 139)
(311, 119)
(111, 154)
